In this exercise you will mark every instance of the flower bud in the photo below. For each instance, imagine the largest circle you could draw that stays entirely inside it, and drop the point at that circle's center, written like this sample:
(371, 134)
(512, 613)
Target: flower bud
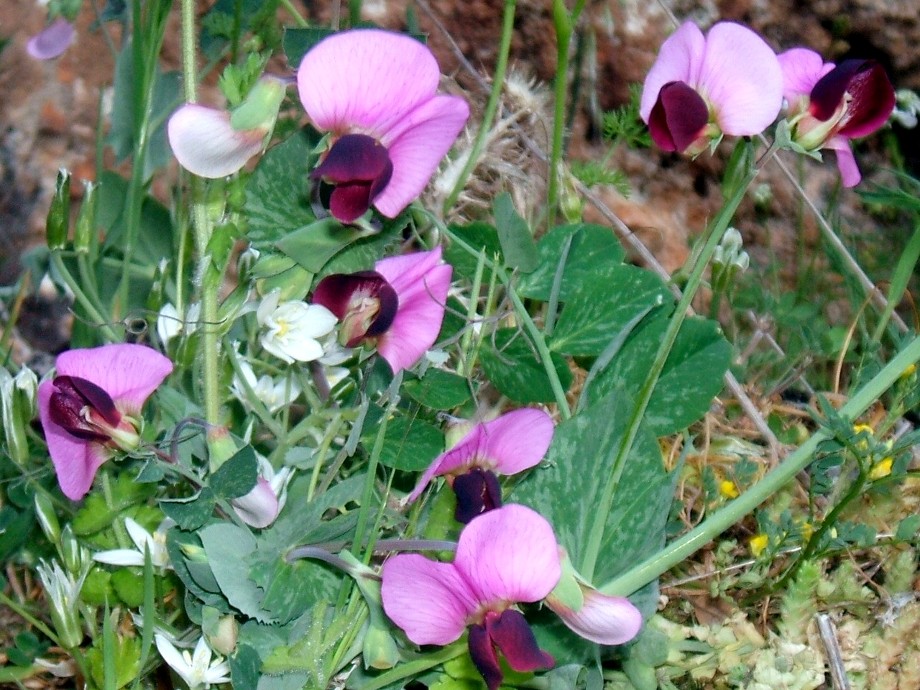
(57, 225)
(86, 221)
(17, 408)
(47, 517)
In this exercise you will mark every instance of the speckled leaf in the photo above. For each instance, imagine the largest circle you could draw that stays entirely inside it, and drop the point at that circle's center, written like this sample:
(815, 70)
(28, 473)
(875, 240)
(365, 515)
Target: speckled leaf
(515, 370)
(596, 312)
(478, 236)
(691, 378)
(593, 252)
(514, 234)
(439, 390)
(227, 548)
(409, 443)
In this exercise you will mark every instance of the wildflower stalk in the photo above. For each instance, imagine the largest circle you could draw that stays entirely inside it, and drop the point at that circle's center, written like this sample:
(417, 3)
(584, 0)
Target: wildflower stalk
(564, 22)
(899, 280)
(681, 549)
(201, 225)
(488, 116)
(83, 299)
(715, 233)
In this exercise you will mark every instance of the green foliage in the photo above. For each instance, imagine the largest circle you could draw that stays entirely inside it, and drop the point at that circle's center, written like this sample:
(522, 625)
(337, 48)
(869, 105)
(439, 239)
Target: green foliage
(624, 125)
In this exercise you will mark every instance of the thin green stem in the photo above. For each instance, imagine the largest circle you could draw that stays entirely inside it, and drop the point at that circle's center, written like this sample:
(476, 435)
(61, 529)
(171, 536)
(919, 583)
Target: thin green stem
(681, 549)
(99, 321)
(716, 230)
(564, 22)
(902, 273)
(295, 14)
(407, 669)
(23, 613)
(491, 106)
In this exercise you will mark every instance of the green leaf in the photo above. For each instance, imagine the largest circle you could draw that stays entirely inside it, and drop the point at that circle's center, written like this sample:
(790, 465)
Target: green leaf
(593, 255)
(228, 548)
(514, 368)
(409, 443)
(296, 42)
(479, 236)
(237, 476)
(438, 390)
(190, 513)
(691, 378)
(514, 235)
(567, 488)
(314, 245)
(595, 312)
(245, 665)
(277, 194)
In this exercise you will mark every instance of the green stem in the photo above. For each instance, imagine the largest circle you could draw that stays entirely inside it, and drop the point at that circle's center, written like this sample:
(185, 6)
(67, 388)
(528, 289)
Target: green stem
(564, 22)
(716, 230)
(298, 18)
(899, 281)
(100, 322)
(718, 522)
(23, 613)
(491, 106)
(408, 669)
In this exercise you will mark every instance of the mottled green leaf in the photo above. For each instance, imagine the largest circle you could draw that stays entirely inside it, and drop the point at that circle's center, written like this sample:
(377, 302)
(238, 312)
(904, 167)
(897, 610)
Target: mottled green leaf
(514, 235)
(237, 476)
(190, 513)
(228, 548)
(409, 443)
(478, 236)
(314, 245)
(514, 368)
(438, 389)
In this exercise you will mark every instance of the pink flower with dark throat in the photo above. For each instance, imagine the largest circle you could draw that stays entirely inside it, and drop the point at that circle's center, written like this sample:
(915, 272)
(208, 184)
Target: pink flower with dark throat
(701, 87)
(504, 557)
(828, 104)
(514, 442)
(91, 408)
(375, 93)
(400, 304)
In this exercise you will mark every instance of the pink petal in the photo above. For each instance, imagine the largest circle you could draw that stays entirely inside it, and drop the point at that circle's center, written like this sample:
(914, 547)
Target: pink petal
(741, 79)
(366, 80)
(509, 554)
(259, 507)
(802, 69)
(129, 373)
(602, 619)
(421, 283)
(430, 601)
(517, 440)
(416, 145)
(52, 41)
(75, 461)
(846, 161)
(679, 59)
(205, 143)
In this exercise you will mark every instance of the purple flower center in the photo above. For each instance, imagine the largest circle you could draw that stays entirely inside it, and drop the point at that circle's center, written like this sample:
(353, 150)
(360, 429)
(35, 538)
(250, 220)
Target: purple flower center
(83, 409)
(358, 168)
(477, 492)
(678, 117)
(364, 302)
(508, 633)
(863, 88)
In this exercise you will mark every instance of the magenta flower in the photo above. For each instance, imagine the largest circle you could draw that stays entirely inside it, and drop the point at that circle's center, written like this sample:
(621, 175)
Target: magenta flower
(375, 92)
(728, 82)
(400, 304)
(215, 143)
(514, 442)
(504, 557)
(828, 104)
(92, 408)
(51, 41)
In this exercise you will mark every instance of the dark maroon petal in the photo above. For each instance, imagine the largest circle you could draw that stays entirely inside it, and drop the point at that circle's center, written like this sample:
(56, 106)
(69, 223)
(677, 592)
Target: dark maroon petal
(484, 657)
(360, 168)
(477, 492)
(95, 396)
(872, 100)
(68, 401)
(678, 117)
(343, 294)
(827, 94)
(514, 638)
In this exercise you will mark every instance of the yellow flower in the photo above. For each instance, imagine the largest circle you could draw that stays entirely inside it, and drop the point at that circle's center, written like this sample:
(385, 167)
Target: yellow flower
(881, 469)
(909, 371)
(860, 428)
(758, 543)
(728, 489)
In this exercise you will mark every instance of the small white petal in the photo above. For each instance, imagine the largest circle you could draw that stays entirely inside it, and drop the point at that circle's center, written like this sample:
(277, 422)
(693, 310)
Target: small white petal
(205, 143)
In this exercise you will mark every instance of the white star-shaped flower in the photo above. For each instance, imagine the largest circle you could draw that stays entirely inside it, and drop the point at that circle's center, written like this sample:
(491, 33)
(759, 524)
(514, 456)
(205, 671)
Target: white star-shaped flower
(196, 669)
(155, 543)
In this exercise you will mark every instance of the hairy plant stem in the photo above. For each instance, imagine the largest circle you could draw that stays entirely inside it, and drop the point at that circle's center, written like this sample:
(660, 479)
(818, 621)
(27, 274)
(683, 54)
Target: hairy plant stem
(681, 549)
(564, 22)
(202, 228)
(719, 225)
(488, 116)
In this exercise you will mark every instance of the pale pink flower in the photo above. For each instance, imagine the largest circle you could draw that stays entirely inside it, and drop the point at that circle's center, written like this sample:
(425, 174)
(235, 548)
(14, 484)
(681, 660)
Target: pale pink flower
(400, 304)
(261, 506)
(701, 87)
(51, 41)
(375, 92)
(92, 408)
(215, 143)
(828, 104)
(514, 442)
(504, 557)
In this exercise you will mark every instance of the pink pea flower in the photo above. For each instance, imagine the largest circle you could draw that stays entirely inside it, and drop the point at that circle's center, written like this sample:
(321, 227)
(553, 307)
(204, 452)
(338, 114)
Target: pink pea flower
(514, 442)
(728, 82)
(828, 104)
(91, 408)
(504, 557)
(51, 41)
(375, 92)
(400, 304)
(215, 143)
(261, 506)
